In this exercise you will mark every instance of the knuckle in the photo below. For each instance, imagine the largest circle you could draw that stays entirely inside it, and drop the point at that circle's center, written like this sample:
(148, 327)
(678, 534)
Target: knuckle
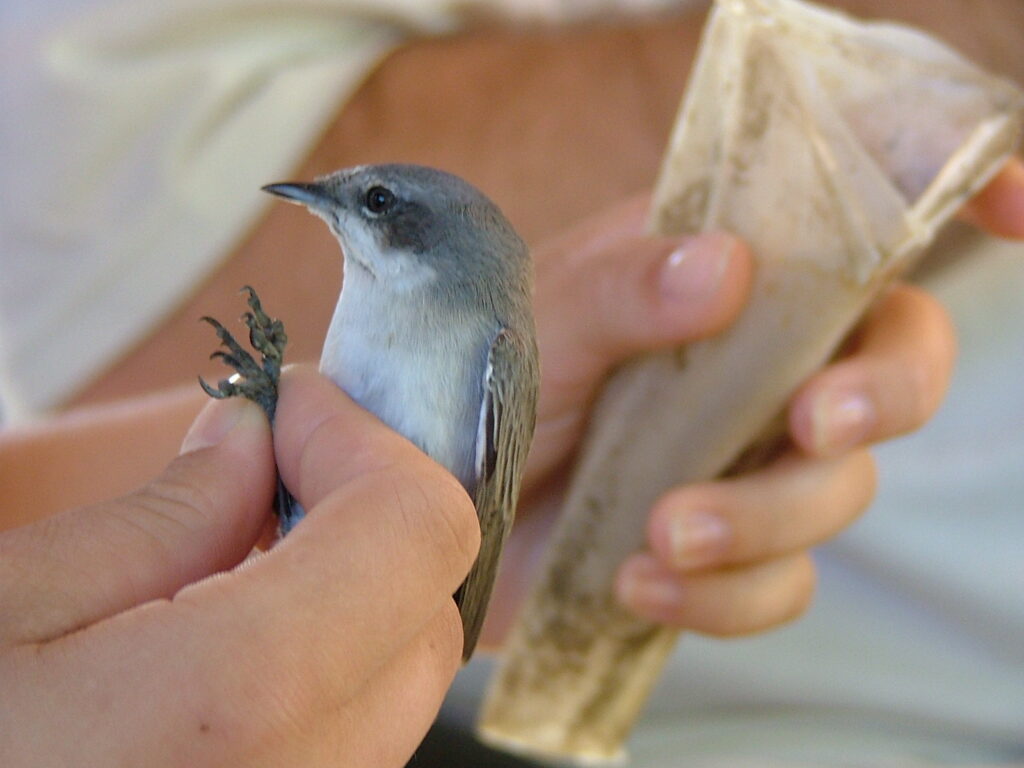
(172, 501)
(804, 579)
(785, 591)
(864, 468)
(930, 370)
(628, 284)
(445, 641)
(435, 512)
(458, 529)
(310, 459)
(728, 624)
(607, 336)
(736, 619)
(852, 486)
(160, 511)
(929, 309)
(927, 387)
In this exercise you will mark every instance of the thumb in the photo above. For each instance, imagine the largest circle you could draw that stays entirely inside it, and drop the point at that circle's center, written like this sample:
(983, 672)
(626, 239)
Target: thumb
(607, 292)
(200, 516)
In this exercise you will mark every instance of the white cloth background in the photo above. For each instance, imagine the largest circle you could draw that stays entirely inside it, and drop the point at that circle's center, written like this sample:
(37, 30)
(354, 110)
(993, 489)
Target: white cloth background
(135, 141)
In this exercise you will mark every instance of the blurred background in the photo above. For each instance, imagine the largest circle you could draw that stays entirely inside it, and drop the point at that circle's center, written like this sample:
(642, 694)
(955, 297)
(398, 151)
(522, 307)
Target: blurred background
(131, 148)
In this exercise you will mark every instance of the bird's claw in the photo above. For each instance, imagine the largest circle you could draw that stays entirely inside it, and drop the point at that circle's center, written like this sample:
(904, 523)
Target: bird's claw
(255, 381)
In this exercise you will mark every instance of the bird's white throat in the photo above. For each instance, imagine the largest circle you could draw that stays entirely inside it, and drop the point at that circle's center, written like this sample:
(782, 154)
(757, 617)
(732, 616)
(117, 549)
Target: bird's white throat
(420, 377)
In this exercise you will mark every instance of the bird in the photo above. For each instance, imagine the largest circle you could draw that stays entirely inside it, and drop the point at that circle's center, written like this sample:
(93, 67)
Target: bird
(434, 333)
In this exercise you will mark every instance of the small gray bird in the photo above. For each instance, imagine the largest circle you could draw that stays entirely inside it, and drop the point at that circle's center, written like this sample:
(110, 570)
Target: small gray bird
(434, 333)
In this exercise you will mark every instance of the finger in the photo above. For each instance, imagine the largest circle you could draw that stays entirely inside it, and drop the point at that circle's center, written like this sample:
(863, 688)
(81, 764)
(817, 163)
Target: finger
(200, 516)
(999, 207)
(606, 292)
(324, 440)
(237, 710)
(722, 603)
(378, 556)
(53, 465)
(792, 505)
(891, 383)
(651, 291)
(388, 538)
(403, 700)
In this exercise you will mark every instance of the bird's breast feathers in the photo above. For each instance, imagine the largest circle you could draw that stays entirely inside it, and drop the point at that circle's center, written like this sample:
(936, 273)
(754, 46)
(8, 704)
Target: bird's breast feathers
(424, 380)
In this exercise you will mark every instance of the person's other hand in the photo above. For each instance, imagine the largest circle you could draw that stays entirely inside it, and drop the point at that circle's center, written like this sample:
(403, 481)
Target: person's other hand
(726, 557)
(130, 634)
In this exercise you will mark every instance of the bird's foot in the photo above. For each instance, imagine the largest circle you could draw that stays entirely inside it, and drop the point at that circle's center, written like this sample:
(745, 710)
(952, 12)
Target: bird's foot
(255, 381)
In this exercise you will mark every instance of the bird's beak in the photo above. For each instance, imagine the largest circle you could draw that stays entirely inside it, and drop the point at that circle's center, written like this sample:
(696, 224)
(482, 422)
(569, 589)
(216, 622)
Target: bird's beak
(311, 195)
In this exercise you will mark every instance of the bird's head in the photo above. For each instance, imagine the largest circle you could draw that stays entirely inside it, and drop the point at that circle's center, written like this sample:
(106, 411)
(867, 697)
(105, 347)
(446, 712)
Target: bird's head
(411, 226)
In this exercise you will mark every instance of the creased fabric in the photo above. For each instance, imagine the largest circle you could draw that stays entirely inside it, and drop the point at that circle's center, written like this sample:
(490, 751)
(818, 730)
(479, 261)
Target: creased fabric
(147, 130)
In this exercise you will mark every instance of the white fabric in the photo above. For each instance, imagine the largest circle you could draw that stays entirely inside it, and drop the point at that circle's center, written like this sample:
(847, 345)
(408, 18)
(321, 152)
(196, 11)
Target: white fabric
(130, 175)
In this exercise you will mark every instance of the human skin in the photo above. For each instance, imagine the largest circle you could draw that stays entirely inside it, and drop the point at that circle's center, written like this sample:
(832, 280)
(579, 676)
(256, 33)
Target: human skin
(122, 662)
(902, 360)
(115, 650)
(555, 125)
(758, 574)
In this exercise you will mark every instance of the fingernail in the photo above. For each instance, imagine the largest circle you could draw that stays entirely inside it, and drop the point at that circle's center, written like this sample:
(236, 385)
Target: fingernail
(841, 420)
(694, 270)
(214, 423)
(648, 590)
(697, 538)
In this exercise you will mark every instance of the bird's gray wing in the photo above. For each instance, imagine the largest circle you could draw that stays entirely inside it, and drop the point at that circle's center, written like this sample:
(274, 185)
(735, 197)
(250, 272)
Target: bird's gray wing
(507, 417)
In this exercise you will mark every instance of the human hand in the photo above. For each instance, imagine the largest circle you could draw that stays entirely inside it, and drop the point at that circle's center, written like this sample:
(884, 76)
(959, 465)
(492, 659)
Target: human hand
(334, 648)
(726, 557)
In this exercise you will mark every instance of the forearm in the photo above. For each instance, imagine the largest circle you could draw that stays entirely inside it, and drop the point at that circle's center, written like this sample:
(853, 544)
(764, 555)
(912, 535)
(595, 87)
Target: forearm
(90, 454)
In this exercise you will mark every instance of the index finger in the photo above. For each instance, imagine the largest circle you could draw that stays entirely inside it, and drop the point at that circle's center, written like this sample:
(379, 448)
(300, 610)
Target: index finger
(999, 207)
(389, 537)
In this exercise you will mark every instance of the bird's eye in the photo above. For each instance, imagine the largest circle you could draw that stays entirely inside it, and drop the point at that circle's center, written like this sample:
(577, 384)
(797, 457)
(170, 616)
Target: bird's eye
(379, 200)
